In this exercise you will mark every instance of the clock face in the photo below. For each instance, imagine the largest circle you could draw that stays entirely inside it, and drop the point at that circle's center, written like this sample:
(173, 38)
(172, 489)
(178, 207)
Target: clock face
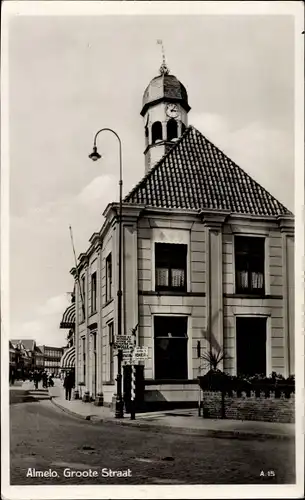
(172, 110)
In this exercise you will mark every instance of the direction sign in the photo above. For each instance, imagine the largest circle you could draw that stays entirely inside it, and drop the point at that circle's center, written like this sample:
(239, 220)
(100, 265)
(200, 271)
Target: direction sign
(123, 341)
(140, 353)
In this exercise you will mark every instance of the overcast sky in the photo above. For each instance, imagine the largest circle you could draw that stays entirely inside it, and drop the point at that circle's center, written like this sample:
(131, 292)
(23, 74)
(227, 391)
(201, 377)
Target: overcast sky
(70, 76)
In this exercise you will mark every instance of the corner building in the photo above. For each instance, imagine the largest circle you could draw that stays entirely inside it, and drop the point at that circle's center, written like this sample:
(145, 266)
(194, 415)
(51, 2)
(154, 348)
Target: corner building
(208, 255)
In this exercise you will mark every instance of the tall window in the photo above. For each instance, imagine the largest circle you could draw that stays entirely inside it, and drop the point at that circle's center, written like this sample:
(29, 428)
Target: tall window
(156, 132)
(170, 335)
(84, 357)
(172, 129)
(110, 347)
(93, 292)
(83, 298)
(251, 337)
(108, 278)
(170, 264)
(249, 264)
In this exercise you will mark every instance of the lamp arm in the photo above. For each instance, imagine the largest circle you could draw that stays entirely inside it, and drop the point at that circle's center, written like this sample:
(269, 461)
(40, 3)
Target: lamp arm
(120, 146)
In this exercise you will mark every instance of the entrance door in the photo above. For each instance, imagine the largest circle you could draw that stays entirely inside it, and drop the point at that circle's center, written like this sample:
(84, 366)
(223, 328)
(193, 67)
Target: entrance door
(251, 346)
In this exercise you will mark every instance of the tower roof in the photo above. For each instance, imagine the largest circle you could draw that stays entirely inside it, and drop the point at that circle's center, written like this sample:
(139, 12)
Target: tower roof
(196, 175)
(164, 87)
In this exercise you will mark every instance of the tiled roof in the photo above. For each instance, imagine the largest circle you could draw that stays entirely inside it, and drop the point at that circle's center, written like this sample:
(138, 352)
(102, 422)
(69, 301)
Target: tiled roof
(27, 343)
(195, 175)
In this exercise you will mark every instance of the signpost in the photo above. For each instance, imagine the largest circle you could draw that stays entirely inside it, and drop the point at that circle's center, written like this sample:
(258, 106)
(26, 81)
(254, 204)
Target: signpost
(123, 342)
(131, 355)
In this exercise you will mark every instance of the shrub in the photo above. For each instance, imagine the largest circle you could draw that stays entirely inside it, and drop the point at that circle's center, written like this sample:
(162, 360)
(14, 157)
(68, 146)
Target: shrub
(216, 380)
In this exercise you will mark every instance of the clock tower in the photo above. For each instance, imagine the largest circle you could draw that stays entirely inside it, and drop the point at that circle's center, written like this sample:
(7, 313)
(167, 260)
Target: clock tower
(164, 109)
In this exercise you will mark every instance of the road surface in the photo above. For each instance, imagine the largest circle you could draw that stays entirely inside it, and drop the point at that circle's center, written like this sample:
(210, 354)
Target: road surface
(47, 440)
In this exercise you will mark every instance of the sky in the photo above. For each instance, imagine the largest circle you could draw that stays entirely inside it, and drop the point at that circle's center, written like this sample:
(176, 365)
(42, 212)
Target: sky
(72, 75)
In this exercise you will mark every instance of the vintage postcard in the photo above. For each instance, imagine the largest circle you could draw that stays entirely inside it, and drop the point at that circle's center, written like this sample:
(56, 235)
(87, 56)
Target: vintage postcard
(152, 249)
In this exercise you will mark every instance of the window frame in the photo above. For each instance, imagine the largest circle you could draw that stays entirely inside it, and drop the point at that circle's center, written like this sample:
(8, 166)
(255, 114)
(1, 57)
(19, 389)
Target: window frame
(238, 254)
(250, 315)
(187, 339)
(94, 292)
(109, 277)
(171, 266)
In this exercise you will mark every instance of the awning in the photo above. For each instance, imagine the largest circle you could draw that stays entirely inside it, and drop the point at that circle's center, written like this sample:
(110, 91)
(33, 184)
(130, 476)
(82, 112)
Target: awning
(68, 319)
(68, 358)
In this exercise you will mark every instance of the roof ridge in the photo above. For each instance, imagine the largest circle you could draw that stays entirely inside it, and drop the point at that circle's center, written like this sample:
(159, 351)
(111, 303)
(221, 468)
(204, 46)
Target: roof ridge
(240, 168)
(152, 170)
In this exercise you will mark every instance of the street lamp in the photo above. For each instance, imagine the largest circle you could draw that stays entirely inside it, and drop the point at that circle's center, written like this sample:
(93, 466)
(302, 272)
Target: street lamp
(94, 156)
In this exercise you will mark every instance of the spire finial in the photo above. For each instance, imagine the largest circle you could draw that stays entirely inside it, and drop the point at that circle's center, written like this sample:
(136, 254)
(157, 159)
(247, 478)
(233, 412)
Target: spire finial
(164, 70)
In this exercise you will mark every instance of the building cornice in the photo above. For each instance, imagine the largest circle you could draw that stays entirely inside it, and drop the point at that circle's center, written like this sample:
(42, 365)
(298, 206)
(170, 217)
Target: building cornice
(214, 219)
(286, 223)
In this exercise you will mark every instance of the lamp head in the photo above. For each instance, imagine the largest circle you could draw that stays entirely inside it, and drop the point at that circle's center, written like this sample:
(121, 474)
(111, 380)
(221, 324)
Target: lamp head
(95, 155)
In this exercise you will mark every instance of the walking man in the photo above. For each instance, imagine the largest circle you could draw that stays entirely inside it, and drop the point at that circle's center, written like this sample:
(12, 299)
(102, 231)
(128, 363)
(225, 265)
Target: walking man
(44, 380)
(68, 385)
(36, 379)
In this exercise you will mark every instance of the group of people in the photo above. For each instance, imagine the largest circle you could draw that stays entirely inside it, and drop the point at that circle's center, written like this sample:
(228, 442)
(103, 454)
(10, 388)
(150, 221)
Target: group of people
(44, 377)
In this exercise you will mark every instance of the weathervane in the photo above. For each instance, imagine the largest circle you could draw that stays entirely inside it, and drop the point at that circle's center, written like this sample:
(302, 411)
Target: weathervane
(164, 70)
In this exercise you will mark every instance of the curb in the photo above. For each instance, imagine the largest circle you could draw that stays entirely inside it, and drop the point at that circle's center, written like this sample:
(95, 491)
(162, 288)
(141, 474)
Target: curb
(221, 434)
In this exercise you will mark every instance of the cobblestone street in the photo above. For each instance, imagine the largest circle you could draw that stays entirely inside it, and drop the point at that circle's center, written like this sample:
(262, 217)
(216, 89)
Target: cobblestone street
(43, 437)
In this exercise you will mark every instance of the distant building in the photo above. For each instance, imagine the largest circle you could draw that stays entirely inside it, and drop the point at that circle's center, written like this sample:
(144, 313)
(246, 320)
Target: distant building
(34, 356)
(12, 362)
(51, 358)
(23, 357)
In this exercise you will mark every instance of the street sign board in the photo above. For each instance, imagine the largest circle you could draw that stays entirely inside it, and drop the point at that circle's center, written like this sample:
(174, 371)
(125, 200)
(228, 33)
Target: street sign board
(123, 341)
(140, 353)
(131, 355)
(127, 352)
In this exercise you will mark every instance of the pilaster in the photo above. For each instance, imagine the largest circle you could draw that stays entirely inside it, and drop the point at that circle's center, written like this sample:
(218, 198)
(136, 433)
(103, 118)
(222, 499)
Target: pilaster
(130, 267)
(99, 334)
(214, 262)
(84, 263)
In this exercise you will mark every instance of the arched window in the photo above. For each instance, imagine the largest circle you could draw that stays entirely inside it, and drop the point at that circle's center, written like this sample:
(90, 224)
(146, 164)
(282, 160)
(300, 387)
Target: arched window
(182, 128)
(156, 132)
(172, 129)
(146, 136)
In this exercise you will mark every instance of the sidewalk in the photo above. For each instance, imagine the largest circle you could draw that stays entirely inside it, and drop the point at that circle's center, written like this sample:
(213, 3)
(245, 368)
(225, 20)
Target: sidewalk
(179, 421)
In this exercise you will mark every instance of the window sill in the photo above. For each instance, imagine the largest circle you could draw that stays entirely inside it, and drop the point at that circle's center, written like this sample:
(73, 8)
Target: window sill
(109, 383)
(251, 296)
(92, 313)
(107, 303)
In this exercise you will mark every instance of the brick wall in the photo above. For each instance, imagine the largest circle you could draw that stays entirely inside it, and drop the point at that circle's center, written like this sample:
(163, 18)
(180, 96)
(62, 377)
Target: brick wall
(245, 407)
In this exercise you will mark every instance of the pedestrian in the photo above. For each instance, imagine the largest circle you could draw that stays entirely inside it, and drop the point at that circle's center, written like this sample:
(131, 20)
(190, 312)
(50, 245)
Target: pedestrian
(68, 385)
(44, 380)
(36, 379)
(50, 380)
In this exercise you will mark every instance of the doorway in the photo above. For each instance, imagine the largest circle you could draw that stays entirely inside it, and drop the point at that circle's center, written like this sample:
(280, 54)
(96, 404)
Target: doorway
(251, 350)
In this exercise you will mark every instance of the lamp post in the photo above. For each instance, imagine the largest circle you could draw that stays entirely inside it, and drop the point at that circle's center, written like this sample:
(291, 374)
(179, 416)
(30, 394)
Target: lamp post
(94, 156)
